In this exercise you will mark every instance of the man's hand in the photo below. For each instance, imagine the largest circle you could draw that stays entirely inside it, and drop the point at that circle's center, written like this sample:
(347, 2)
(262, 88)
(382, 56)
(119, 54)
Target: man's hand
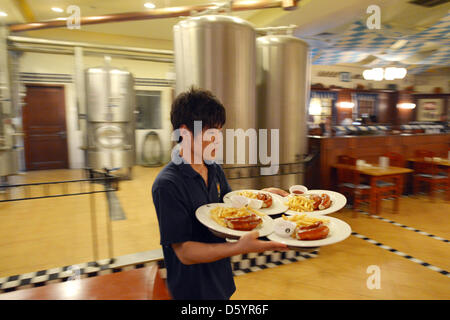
(278, 191)
(250, 243)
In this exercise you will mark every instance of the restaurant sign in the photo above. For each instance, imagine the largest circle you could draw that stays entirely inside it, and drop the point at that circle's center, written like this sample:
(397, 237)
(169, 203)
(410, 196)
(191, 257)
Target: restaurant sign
(343, 76)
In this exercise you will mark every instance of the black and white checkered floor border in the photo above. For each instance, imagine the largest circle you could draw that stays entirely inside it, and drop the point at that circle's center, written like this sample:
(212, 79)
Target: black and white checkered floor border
(54, 275)
(402, 254)
(241, 264)
(405, 227)
(252, 262)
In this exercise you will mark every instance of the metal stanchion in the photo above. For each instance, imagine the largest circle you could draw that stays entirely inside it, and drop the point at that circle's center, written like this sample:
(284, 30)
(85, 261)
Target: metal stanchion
(93, 222)
(109, 232)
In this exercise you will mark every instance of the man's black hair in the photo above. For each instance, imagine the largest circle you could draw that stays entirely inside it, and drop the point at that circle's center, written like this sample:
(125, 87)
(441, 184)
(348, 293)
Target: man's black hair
(197, 105)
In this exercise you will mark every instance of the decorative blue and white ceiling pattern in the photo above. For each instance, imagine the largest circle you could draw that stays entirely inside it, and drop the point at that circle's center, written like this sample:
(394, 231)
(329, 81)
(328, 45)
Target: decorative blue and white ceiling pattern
(359, 42)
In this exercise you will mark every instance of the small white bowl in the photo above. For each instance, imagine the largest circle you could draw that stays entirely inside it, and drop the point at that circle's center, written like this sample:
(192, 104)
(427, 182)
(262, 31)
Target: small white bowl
(255, 203)
(298, 188)
(284, 228)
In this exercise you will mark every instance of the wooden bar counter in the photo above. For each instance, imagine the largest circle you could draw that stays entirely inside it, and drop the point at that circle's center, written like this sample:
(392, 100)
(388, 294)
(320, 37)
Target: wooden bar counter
(369, 148)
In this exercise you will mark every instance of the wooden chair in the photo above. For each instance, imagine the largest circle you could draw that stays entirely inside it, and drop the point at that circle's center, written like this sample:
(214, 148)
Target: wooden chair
(427, 172)
(424, 154)
(395, 159)
(387, 190)
(350, 185)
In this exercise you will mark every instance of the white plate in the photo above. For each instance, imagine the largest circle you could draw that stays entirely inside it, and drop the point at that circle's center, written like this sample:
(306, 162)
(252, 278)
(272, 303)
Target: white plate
(277, 206)
(339, 231)
(338, 201)
(204, 216)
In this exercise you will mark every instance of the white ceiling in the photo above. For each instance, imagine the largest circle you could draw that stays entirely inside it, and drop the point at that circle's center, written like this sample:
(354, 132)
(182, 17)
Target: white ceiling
(13, 11)
(154, 29)
(314, 18)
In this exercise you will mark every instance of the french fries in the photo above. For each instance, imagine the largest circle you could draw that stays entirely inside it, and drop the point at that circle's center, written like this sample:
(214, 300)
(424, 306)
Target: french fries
(300, 203)
(248, 194)
(303, 220)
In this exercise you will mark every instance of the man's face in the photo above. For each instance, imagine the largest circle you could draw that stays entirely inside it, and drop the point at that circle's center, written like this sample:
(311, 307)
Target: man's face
(204, 146)
(212, 143)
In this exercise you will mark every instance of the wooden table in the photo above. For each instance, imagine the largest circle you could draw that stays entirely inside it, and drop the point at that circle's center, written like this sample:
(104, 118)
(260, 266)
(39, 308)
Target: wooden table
(375, 173)
(443, 163)
(137, 284)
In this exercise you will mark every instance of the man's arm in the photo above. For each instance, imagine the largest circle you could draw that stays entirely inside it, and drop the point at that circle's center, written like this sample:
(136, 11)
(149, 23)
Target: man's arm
(191, 252)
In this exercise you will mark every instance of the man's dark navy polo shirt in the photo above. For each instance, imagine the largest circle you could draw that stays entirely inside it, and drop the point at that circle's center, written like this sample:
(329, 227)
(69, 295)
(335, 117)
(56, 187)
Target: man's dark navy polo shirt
(177, 193)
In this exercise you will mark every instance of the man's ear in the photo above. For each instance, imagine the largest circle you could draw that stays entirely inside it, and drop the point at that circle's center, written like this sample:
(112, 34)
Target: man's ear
(183, 131)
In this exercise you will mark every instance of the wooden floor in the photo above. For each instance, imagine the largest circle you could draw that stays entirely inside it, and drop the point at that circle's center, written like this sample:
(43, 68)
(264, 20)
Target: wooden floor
(48, 233)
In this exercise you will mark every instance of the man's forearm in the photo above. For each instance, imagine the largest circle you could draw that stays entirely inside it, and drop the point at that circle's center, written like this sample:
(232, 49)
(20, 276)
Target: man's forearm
(191, 252)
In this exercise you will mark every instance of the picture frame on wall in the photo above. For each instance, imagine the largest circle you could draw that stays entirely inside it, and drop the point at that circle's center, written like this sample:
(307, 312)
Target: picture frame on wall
(430, 109)
(345, 76)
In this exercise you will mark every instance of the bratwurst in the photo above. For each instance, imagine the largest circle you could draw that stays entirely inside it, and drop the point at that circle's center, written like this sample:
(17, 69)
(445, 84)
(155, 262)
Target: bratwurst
(315, 231)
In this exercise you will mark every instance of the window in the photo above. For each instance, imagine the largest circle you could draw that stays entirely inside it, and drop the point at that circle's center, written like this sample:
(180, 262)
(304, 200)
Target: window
(366, 108)
(321, 106)
(149, 108)
(367, 105)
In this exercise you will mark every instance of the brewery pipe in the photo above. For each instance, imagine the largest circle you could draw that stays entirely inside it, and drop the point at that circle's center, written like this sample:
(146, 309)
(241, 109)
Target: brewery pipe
(169, 12)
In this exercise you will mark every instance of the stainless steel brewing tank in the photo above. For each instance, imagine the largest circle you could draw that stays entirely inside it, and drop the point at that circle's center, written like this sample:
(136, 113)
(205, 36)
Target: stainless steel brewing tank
(111, 102)
(283, 87)
(8, 154)
(218, 53)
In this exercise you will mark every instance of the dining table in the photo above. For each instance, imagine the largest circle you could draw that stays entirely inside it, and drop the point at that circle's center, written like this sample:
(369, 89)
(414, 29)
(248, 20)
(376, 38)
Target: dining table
(375, 174)
(137, 284)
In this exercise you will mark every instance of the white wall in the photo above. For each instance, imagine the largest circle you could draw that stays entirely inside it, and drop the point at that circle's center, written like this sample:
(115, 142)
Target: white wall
(62, 64)
(423, 83)
(327, 81)
(427, 82)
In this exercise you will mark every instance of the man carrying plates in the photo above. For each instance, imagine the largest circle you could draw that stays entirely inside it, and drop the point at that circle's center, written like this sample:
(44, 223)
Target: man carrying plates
(198, 263)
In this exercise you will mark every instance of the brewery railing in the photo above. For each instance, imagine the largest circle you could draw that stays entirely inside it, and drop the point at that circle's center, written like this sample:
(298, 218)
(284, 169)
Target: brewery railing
(254, 171)
(42, 190)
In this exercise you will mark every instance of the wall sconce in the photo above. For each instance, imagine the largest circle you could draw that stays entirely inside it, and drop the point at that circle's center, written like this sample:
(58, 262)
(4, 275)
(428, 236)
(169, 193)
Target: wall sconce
(346, 104)
(406, 105)
(406, 101)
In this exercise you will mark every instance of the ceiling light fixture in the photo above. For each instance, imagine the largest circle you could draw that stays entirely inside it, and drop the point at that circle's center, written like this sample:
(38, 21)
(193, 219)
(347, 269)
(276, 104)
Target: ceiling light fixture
(57, 9)
(3, 14)
(390, 73)
(149, 5)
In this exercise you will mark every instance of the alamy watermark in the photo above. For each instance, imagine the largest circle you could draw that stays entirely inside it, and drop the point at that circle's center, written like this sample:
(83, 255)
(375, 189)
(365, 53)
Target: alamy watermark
(374, 280)
(374, 20)
(74, 20)
(207, 145)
